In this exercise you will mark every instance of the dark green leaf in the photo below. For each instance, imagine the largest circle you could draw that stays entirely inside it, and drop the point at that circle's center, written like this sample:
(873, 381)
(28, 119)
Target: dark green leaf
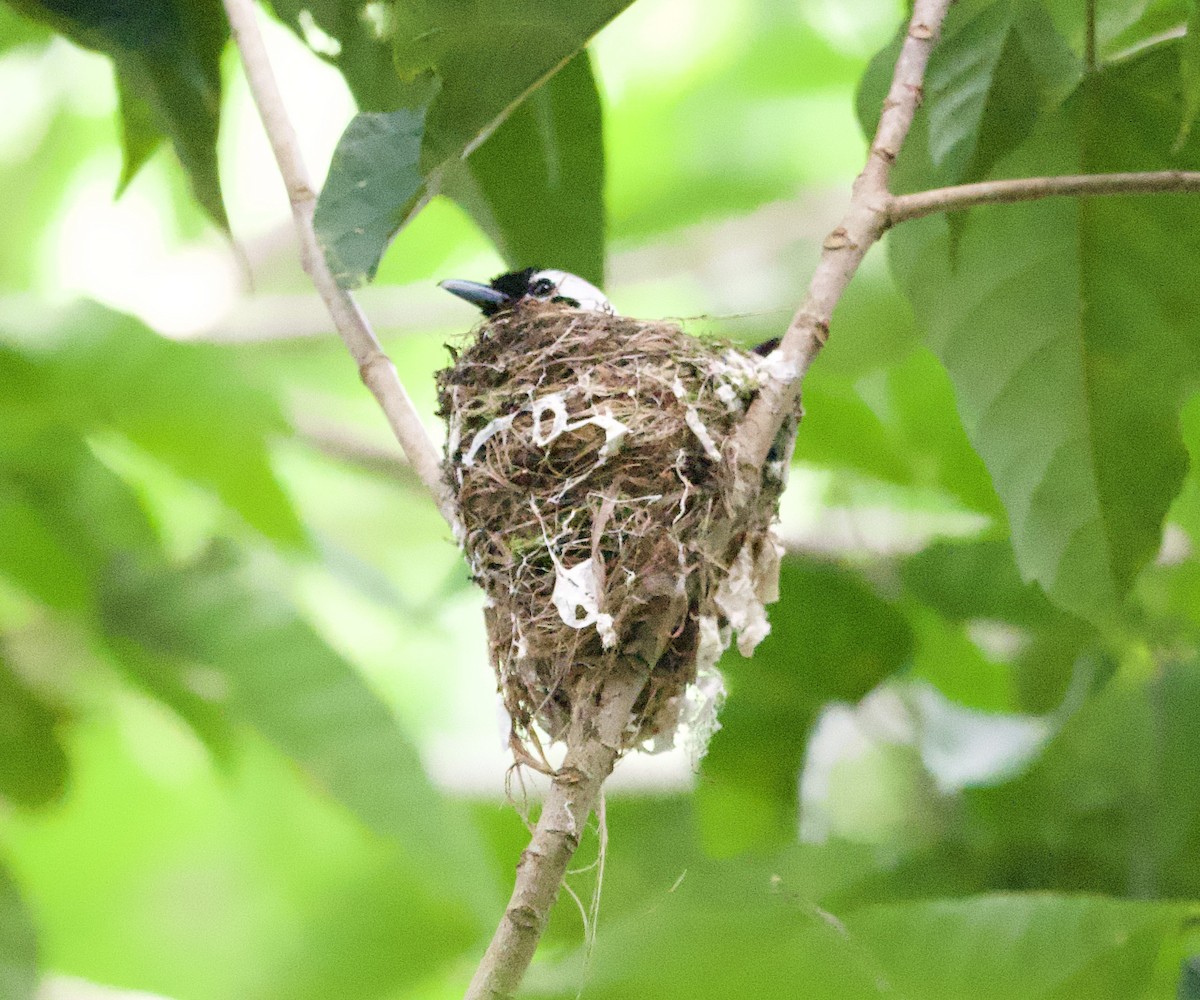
(1069, 365)
(976, 579)
(1017, 947)
(736, 931)
(997, 65)
(18, 944)
(140, 132)
(166, 57)
(536, 186)
(1189, 980)
(353, 36)
(489, 55)
(1109, 807)
(962, 70)
(33, 764)
(464, 70)
(831, 639)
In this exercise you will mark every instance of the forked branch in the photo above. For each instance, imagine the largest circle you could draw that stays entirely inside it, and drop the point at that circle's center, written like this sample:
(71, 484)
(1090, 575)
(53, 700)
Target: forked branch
(844, 248)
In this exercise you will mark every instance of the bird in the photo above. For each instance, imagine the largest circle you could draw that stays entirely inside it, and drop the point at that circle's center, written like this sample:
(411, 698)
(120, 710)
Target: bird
(508, 291)
(511, 290)
(531, 284)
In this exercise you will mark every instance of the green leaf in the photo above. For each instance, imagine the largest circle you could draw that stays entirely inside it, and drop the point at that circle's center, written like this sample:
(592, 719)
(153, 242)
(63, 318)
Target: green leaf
(832, 639)
(464, 70)
(191, 406)
(736, 931)
(33, 763)
(374, 185)
(18, 944)
(536, 186)
(997, 65)
(962, 70)
(1109, 807)
(1069, 366)
(286, 682)
(166, 58)
(16, 31)
(1012, 947)
(489, 55)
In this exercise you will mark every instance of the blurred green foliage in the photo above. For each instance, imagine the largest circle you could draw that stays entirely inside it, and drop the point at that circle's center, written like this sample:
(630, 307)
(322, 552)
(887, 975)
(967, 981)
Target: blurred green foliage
(244, 696)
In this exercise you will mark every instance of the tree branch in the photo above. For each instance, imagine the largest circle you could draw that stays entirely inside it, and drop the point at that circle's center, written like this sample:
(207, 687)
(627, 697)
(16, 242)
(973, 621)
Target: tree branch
(951, 199)
(844, 248)
(591, 756)
(376, 368)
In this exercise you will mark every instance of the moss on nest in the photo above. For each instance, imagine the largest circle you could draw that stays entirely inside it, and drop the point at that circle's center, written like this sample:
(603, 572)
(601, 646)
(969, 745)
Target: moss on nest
(584, 453)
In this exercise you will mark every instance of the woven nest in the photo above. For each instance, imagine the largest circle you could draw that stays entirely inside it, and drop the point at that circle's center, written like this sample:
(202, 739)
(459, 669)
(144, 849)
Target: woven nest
(584, 453)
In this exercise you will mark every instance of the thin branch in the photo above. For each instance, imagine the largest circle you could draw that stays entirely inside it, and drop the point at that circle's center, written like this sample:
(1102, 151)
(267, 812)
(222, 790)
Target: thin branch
(376, 368)
(951, 199)
(863, 224)
(572, 796)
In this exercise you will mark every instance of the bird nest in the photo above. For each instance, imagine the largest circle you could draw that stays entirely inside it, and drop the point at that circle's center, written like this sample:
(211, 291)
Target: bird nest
(585, 456)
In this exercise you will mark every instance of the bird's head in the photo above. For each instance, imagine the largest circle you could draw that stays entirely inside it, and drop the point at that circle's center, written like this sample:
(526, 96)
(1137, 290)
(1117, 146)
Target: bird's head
(510, 291)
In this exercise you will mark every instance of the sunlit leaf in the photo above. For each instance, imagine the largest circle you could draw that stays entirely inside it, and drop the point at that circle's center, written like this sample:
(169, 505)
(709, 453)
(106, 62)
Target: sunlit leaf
(18, 944)
(166, 59)
(283, 679)
(33, 764)
(190, 406)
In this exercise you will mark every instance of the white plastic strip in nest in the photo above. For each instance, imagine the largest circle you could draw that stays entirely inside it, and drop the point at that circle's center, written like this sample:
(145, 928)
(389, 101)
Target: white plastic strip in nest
(485, 434)
(546, 430)
(556, 403)
(751, 584)
(695, 424)
(576, 597)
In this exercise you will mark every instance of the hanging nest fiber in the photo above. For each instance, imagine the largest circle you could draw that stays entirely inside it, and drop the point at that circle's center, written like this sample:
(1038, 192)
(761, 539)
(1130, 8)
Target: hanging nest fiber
(585, 455)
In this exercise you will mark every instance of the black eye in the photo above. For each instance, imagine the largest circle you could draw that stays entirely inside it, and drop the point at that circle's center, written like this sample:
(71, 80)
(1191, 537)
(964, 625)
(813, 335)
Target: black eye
(543, 286)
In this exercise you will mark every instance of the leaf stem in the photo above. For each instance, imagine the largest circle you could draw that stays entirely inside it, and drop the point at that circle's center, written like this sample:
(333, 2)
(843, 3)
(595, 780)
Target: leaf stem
(374, 366)
(950, 199)
(844, 248)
